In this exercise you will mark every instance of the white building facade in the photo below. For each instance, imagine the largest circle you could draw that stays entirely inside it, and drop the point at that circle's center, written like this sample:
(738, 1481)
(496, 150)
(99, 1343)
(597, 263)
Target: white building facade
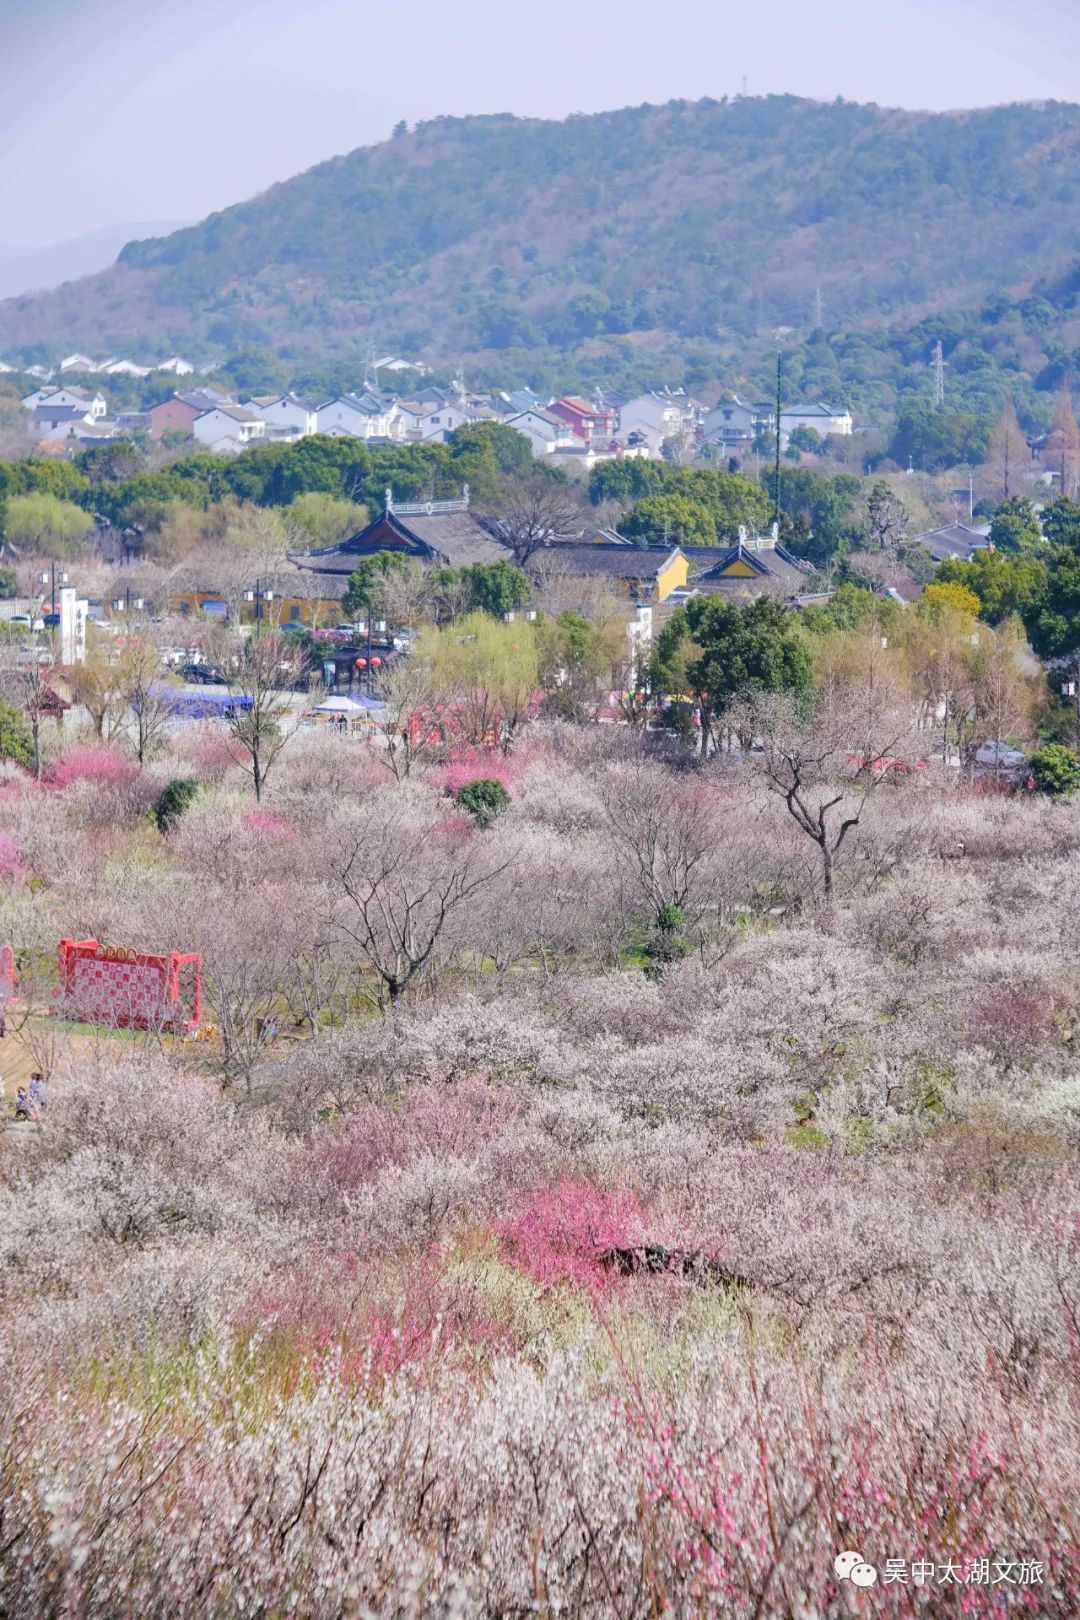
(287, 417)
(361, 416)
(228, 428)
(823, 418)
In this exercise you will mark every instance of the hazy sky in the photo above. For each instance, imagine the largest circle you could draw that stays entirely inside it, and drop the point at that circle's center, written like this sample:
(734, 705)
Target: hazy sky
(114, 111)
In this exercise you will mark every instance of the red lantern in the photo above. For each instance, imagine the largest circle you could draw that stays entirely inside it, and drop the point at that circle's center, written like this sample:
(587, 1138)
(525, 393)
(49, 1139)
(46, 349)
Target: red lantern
(361, 663)
(375, 662)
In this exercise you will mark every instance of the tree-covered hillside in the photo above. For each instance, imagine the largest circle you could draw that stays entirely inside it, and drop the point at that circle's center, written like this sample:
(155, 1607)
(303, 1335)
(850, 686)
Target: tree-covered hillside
(607, 243)
(1021, 347)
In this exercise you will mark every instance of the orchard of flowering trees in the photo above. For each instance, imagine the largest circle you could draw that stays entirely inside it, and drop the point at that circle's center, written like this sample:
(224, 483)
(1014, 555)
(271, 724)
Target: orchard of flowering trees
(617, 1204)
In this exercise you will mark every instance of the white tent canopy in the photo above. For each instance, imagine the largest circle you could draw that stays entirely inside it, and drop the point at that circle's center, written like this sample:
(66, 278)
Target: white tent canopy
(339, 705)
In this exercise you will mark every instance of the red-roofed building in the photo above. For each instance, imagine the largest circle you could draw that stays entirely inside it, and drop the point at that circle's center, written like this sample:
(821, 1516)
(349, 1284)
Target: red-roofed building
(592, 424)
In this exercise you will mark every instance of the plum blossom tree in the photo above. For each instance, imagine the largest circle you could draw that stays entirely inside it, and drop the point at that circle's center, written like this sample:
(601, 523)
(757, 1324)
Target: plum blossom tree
(825, 770)
(403, 881)
(264, 718)
(663, 829)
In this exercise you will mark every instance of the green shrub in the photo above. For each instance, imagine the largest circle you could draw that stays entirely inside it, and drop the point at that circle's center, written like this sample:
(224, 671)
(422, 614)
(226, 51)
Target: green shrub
(15, 740)
(1056, 769)
(670, 920)
(173, 800)
(667, 943)
(484, 800)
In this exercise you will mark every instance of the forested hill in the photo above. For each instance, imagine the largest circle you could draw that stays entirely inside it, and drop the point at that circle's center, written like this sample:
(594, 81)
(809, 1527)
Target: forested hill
(687, 230)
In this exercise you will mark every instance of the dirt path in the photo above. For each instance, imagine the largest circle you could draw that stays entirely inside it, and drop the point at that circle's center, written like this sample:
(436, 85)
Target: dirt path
(51, 1046)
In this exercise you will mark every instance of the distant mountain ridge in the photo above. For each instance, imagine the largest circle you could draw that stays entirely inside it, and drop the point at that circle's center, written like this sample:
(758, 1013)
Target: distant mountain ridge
(687, 229)
(28, 269)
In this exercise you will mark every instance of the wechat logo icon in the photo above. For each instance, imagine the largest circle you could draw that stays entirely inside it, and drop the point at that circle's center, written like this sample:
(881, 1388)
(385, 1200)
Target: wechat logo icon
(851, 1566)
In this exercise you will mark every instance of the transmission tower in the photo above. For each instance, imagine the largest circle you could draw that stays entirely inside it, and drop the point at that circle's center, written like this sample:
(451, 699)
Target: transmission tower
(371, 370)
(938, 361)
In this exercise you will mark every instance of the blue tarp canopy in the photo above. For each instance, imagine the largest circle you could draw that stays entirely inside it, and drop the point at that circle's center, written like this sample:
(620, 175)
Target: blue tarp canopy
(199, 704)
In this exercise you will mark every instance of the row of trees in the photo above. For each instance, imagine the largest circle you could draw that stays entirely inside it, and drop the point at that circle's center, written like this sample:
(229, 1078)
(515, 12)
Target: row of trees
(957, 678)
(994, 446)
(322, 489)
(1041, 587)
(118, 484)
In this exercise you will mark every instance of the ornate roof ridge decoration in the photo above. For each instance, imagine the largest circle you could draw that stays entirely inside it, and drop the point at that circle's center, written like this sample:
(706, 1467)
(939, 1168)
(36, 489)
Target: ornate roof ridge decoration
(428, 508)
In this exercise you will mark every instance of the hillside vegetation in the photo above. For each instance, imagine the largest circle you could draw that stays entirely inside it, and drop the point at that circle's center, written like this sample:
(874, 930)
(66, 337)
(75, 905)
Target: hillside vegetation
(608, 243)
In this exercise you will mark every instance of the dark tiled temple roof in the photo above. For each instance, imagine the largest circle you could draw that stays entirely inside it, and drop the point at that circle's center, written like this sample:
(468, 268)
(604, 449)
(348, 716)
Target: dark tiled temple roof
(607, 559)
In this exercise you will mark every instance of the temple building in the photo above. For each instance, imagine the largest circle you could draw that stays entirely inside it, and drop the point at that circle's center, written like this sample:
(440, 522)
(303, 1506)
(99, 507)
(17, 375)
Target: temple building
(442, 533)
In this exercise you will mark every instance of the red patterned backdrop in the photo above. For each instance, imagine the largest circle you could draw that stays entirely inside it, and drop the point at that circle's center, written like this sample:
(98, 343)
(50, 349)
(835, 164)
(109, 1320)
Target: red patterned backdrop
(110, 984)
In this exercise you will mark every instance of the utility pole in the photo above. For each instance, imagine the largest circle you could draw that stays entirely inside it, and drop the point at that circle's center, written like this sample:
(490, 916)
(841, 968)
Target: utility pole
(125, 603)
(258, 596)
(369, 673)
(776, 502)
(939, 375)
(50, 580)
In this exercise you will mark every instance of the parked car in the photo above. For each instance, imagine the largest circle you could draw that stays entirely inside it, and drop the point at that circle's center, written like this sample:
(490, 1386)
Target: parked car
(201, 674)
(997, 762)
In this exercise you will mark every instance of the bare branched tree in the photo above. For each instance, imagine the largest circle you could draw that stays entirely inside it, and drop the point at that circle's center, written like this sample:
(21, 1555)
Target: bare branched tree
(262, 674)
(144, 692)
(531, 515)
(25, 683)
(402, 885)
(411, 722)
(661, 826)
(824, 770)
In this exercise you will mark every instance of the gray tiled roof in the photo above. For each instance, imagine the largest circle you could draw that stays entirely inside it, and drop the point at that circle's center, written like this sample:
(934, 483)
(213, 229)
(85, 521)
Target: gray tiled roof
(768, 562)
(59, 413)
(953, 540)
(235, 413)
(813, 407)
(774, 571)
(604, 558)
(202, 399)
(454, 537)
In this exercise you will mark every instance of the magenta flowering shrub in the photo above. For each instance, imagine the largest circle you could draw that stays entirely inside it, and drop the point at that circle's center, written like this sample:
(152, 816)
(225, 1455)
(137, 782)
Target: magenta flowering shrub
(213, 755)
(269, 826)
(434, 1121)
(101, 790)
(811, 1480)
(359, 1322)
(102, 766)
(467, 765)
(568, 1232)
